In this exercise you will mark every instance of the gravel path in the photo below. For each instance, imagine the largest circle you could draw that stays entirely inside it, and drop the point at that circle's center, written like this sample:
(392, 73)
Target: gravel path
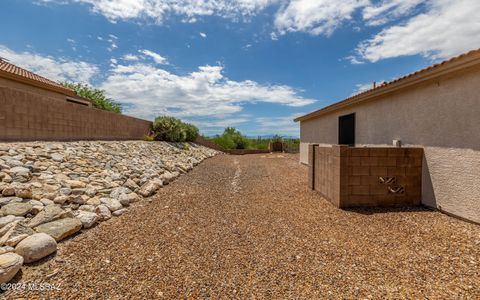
(248, 227)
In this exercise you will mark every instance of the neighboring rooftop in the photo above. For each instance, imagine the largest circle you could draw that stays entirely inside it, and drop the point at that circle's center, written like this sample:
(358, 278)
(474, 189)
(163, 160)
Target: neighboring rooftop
(13, 72)
(458, 62)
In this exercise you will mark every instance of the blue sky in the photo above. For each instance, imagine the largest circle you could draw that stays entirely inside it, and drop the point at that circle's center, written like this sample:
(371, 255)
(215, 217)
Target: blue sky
(251, 64)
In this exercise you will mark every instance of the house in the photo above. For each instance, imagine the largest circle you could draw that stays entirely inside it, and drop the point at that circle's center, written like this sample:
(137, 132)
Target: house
(34, 108)
(16, 78)
(436, 109)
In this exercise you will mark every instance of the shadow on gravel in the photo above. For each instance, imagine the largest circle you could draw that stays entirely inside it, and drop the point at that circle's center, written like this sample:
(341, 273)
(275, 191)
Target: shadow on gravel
(392, 209)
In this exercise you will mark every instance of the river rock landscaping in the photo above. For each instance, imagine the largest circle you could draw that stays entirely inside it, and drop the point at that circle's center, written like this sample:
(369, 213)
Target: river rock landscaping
(51, 190)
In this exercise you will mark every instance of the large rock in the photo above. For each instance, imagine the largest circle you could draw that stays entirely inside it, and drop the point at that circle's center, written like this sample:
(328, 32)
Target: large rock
(73, 184)
(112, 204)
(150, 187)
(20, 171)
(87, 218)
(23, 192)
(36, 246)
(8, 191)
(103, 212)
(131, 185)
(10, 264)
(16, 209)
(57, 157)
(60, 229)
(119, 212)
(48, 214)
(6, 200)
(6, 220)
(14, 232)
(116, 192)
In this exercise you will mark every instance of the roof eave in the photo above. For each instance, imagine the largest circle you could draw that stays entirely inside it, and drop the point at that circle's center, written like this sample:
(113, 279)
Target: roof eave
(409, 81)
(38, 84)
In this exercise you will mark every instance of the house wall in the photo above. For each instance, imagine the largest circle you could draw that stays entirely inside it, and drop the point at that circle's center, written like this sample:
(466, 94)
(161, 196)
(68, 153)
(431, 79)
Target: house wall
(26, 116)
(442, 116)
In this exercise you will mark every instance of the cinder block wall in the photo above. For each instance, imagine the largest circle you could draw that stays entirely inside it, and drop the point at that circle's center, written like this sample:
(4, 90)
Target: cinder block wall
(26, 116)
(350, 177)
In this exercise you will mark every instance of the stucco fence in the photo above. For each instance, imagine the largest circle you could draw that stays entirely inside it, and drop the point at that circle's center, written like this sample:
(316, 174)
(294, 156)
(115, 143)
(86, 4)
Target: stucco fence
(28, 116)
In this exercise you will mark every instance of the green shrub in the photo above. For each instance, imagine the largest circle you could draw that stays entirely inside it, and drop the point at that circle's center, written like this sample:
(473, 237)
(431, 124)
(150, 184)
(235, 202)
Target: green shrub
(232, 139)
(191, 132)
(171, 129)
(225, 141)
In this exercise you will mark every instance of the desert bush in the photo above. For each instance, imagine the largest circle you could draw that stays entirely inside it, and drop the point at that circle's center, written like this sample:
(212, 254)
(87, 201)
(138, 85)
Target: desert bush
(191, 132)
(171, 129)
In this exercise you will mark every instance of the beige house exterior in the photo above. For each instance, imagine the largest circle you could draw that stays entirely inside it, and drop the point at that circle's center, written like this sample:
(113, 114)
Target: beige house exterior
(437, 109)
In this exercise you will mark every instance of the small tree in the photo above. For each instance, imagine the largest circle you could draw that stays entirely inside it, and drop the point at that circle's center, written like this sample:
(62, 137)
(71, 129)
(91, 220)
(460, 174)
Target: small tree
(96, 96)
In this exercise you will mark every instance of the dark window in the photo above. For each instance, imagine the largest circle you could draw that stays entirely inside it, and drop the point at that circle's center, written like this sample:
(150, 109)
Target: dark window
(346, 130)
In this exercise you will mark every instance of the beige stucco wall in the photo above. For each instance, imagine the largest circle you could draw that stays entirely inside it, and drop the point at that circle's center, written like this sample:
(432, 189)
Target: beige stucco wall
(443, 116)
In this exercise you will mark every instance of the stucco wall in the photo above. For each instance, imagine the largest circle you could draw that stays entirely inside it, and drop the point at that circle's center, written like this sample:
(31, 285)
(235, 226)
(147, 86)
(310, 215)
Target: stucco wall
(442, 116)
(26, 116)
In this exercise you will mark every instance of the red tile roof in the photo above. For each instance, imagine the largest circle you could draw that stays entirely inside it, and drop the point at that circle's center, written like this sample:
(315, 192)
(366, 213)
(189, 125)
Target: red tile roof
(14, 72)
(458, 62)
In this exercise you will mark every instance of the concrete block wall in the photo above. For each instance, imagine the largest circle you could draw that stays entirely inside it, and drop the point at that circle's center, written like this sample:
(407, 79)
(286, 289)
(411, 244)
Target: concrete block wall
(350, 177)
(26, 116)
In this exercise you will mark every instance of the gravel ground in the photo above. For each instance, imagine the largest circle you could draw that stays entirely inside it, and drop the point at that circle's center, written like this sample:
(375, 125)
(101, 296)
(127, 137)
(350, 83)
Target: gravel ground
(248, 227)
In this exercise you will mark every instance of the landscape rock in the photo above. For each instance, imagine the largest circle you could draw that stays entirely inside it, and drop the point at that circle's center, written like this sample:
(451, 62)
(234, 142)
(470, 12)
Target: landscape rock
(57, 157)
(36, 247)
(112, 204)
(48, 214)
(103, 212)
(14, 232)
(60, 229)
(87, 207)
(16, 209)
(23, 192)
(116, 192)
(88, 219)
(61, 199)
(46, 201)
(8, 191)
(131, 184)
(10, 264)
(6, 220)
(119, 212)
(149, 188)
(73, 184)
(6, 200)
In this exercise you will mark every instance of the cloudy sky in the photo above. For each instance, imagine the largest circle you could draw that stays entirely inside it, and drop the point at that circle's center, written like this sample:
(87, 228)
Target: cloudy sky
(251, 64)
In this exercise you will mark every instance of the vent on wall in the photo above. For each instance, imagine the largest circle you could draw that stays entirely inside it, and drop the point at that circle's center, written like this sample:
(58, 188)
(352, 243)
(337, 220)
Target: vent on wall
(77, 102)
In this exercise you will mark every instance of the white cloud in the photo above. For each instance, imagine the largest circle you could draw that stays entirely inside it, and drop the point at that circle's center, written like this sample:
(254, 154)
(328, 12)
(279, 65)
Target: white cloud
(149, 91)
(447, 28)
(130, 57)
(57, 69)
(158, 10)
(203, 35)
(388, 10)
(278, 125)
(155, 56)
(315, 17)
